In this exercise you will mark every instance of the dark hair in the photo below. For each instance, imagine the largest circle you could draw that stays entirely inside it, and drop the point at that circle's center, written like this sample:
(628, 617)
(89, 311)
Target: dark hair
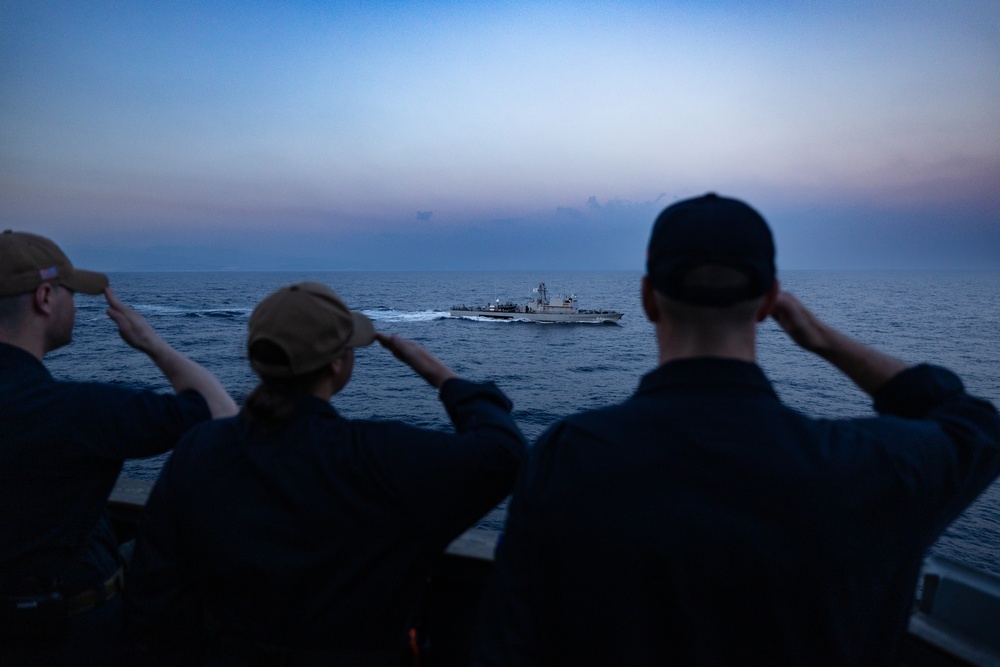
(272, 402)
(707, 278)
(717, 277)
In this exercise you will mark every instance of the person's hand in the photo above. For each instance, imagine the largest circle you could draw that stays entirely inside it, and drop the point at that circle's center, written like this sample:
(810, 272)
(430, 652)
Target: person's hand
(414, 355)
(867, 367)
(182, 373)
(801, 325)
(133, 327)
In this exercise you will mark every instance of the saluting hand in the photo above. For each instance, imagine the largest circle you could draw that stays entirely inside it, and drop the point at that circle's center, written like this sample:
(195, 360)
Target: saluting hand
(133, 327)
(801, 325)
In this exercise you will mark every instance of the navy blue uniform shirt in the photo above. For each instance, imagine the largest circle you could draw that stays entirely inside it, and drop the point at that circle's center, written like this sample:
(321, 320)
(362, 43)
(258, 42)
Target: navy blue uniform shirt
(702, 522)
(317, 536)
(62, 445)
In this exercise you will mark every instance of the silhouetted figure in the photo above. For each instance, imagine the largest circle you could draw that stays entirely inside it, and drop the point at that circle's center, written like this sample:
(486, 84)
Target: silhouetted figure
(292, 535)
(703, 522)
(62, 445)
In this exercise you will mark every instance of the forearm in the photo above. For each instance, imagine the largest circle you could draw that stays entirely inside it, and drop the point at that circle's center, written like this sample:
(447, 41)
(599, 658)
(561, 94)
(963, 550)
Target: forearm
(456, 477)
(181, 372)
(425, 364)
(865, 366)
(184, 374)
(437, 374)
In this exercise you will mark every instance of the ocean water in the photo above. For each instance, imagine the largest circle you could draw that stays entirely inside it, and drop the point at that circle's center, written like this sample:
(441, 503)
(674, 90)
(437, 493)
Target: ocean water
(550, 370)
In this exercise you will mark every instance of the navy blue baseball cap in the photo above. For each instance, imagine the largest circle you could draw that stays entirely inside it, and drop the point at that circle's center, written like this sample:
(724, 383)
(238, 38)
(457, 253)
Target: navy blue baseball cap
(710, 230)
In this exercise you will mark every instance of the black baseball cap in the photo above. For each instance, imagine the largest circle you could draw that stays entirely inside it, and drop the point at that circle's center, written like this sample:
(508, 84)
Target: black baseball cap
(710, 230)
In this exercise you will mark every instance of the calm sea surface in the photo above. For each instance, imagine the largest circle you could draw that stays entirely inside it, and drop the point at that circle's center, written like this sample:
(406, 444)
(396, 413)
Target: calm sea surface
(550, 370)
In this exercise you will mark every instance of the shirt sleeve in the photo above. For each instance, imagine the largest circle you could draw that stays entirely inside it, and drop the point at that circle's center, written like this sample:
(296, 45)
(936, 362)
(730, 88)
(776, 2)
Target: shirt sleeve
(948, 440)
(445, 480)
(123, 424)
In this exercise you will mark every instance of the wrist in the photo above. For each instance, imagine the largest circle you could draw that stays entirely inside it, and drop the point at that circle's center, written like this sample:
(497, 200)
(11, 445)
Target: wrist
(160, 351)
(442, 377)
(824, 340)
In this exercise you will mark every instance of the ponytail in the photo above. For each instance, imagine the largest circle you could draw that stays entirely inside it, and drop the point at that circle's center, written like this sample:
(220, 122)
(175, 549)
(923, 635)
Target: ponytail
(272, 403)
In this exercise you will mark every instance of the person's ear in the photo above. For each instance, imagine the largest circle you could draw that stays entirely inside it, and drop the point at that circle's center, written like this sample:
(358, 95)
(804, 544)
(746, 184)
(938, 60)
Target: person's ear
(767, 305)
(341, 369)
(650, 304)
(42, 301)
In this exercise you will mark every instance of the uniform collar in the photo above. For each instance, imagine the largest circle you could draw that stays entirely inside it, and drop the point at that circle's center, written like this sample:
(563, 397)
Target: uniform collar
(309, 404)
(707, 372)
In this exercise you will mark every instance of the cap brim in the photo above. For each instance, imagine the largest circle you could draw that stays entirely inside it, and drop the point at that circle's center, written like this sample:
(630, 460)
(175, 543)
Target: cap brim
(87, 282)
(364, 330)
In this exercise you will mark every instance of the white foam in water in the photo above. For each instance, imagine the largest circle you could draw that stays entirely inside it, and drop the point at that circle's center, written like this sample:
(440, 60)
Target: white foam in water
(159, 310)
(404, 316)
(173, 310)
(224, 311)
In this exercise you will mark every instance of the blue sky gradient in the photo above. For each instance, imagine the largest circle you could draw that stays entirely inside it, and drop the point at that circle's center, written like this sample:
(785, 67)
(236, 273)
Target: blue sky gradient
(497, 135)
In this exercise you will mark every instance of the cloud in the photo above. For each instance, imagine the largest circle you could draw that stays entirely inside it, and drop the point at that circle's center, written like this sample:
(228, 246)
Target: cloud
(618, 205)
(570, 212)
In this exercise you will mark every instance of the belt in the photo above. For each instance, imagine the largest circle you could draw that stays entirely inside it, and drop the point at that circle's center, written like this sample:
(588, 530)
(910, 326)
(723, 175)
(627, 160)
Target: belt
(92, 597)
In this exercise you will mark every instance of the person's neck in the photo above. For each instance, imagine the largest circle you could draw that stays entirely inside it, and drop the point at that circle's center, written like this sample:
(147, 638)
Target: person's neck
(31, 344)
(329, 386)
(674, 344)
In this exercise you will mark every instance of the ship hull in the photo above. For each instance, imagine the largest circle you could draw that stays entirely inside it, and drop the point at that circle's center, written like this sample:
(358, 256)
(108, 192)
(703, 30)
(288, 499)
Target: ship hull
(539, 309)
(538, 317)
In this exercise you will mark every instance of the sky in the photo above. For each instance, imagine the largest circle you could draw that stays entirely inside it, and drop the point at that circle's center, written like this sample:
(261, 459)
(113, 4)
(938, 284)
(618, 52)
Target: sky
(258, 135)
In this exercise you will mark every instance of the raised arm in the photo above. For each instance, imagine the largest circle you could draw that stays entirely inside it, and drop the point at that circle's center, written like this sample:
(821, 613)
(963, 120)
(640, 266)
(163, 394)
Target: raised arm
(866, 367)
(414, 355)
(451, 478)
(181, 372)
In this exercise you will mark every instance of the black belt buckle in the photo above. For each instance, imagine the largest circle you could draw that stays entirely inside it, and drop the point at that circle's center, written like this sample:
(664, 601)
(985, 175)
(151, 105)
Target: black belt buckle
(38, 617)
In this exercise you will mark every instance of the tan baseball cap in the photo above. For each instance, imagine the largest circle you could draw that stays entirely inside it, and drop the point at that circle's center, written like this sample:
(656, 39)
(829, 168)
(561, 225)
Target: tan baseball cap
(310, 324)
(27, 260)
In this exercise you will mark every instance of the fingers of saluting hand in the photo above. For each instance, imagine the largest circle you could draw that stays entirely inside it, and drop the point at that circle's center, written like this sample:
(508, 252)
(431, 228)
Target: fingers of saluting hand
(391, 342)
(116, 309)
(787, 309)
(115, 306)
(798, 321)
(786, 301)
(133, 327)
